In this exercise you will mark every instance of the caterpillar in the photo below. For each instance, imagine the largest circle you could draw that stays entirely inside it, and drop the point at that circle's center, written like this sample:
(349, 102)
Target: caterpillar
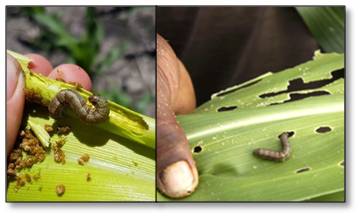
(275, 155)
(68, 97)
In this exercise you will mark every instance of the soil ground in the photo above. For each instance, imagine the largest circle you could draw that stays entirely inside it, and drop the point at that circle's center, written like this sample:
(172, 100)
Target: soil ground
(132, 74)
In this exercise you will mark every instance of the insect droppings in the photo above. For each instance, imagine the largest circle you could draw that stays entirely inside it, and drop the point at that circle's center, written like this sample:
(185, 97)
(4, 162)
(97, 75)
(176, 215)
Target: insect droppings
(59, 155)
(301, 170)
(63, 130)
(84, 159)
(36, 176)
(28, 178)
(29, 152)
(60, 190)
(88, 177)
(20, 182)
(282, 155)
(98, 113)
(49, 128)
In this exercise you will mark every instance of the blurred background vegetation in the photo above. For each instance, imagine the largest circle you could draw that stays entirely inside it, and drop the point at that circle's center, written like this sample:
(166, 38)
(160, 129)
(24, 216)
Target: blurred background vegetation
(115, 45)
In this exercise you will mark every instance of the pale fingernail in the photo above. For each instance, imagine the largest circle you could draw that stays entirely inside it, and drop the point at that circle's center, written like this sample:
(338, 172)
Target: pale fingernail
(178, 179)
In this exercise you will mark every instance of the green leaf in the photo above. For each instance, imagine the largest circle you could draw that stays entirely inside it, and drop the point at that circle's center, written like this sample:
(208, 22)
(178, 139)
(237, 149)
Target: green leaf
(327, 24)
(122, 121)
(257, 113)
(120, 169)
(121, 149)
(334, 197)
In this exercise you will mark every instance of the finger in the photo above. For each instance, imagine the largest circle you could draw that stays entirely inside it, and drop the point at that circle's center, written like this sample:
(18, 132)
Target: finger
(176, 77)
(72, 74)
(185, 100)
(176, 170)
(14, 100)
(39, 64)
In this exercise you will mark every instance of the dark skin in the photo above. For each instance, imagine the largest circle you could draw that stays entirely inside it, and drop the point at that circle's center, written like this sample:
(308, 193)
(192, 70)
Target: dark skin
(176, 170)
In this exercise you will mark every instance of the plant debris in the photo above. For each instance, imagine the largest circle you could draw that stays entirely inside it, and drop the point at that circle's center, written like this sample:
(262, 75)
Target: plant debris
(84, 159)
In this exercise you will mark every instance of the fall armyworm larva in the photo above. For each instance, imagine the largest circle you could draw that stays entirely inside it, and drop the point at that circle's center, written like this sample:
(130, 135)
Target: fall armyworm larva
(275, 155)
(98, 113)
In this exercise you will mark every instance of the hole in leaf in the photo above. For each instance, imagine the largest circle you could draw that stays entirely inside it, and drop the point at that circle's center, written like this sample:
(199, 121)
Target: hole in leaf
(289, 133)
(226, 108)
(197, 149)
(301, 170)
(323, 129)
(238, 88)
(338, 74)
(298, 96)
(298, 84)
(341, 163)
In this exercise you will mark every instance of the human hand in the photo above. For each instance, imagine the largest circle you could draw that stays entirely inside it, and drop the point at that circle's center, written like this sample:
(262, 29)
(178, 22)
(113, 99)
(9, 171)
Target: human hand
(177, 175)
(15, 98)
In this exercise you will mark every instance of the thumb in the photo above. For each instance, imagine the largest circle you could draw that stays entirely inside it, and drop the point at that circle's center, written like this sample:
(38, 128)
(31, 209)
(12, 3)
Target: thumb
(176, 172)
(14, 100)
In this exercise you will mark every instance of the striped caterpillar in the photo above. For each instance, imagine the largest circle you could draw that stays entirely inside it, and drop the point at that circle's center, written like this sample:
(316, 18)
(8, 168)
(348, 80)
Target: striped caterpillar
(275, 155)
(98, 113)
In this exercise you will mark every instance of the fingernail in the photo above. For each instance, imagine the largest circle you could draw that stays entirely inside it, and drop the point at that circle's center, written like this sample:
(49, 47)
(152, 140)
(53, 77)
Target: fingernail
(12, 71)
(178, 180)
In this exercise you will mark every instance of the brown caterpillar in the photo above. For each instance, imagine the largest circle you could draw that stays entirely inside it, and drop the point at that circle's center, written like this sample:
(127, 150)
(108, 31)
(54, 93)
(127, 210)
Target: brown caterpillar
(275, 155)
(98, 113)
